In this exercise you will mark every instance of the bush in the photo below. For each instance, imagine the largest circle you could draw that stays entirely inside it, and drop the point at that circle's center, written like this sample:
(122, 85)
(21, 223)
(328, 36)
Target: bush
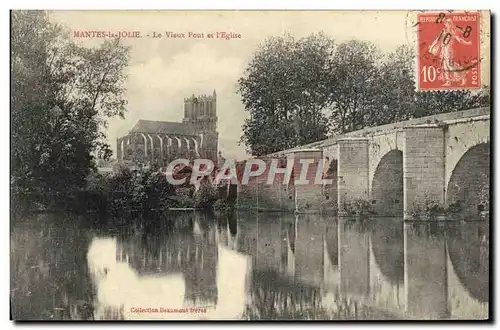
(157, 189)
(432, 209)
(455, 208)
(359, 207)
(221, 206)
(133, 193)
(205, 196)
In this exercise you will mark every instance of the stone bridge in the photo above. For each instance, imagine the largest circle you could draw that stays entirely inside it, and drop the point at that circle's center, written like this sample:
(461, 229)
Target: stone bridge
(396, 169)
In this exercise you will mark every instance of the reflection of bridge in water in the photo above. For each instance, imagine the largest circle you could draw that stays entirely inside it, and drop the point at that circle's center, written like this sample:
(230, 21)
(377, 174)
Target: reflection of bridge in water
(279, 266)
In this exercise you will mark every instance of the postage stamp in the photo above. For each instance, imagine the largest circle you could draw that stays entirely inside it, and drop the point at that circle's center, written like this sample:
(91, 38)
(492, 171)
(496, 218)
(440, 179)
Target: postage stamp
(448, 51)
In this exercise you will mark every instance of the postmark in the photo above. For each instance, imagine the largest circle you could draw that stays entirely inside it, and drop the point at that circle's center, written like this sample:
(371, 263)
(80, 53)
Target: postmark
(448, 51)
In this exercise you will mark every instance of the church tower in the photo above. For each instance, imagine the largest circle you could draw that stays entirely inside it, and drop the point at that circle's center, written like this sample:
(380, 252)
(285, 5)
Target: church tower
(201, 112)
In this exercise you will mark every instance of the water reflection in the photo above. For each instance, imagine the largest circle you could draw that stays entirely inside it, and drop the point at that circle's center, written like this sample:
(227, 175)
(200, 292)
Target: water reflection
(468, 276)
(185, 271)
(49, 278)
(253, 266)
(387, 263)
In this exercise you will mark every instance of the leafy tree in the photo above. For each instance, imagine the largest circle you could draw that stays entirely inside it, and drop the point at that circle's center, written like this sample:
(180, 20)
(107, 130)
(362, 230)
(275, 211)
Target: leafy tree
(132, 193)
(158, 191)
(284, 87)
(372, 90)
(354, 84)
(430, 103)
(394, 96)
(399, 100)
(61, 97)
(292, 86)
(395, 89)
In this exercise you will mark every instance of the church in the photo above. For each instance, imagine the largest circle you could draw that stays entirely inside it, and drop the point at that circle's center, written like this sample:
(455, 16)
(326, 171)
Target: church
(157, 143)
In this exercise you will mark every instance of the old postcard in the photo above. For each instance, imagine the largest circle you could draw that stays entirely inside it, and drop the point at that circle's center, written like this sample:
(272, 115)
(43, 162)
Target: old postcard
(250, 165)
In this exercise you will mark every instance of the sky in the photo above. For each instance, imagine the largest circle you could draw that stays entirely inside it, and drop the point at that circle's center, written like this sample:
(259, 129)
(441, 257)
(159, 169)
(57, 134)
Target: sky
(163, 71)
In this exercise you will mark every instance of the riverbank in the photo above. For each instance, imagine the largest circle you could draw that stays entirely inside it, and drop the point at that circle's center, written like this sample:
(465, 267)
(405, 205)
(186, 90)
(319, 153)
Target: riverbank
(130, 196)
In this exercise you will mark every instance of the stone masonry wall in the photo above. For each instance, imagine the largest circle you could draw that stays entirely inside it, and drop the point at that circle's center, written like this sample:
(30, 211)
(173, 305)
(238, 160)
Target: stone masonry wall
(308, 197)
(352, 171)
(423, 166)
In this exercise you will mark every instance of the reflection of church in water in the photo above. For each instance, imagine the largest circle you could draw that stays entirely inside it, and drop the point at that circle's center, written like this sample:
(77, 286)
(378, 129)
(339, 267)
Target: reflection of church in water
(192, 253)
(159, 142)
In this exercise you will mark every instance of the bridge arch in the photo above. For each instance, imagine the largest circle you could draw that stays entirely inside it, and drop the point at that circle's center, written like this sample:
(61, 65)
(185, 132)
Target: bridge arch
(469, 181)
(379, 146)
(387, 185)
(460, 137)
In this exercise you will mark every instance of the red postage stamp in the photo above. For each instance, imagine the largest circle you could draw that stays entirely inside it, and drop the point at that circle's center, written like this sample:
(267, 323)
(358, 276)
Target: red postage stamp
(448, 51)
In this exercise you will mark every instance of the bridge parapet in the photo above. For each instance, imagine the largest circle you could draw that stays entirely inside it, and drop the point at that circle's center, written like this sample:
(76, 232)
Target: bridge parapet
(449, 117)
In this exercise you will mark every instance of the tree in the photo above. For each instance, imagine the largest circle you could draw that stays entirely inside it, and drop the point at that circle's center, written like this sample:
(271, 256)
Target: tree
(284, 87)
(395, 89)
(398, 99)
(353, 88)
(431, 103)
(291, 87)
(371, 90)
(61, 97)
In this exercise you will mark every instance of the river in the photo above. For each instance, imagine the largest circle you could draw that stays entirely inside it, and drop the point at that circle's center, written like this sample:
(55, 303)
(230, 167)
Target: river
(248, 266)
